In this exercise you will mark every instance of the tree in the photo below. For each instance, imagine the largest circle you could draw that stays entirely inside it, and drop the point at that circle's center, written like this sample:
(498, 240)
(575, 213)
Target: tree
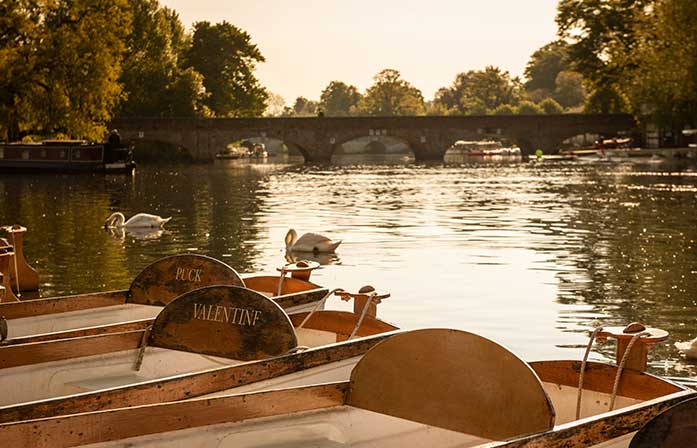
(226, 57)
(339, 99)
(545, 65)
(601, 35)
(20, 78)
(153, 79)
(549, 106)
(275, 105)
(569, 90)
(391, 95)
(504, 109)
(303, 107)
(529, 108)
(665, 80)
(63, 61)
(476, 92)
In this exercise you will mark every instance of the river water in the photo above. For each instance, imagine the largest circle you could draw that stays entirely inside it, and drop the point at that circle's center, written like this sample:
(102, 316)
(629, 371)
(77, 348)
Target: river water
(531, 255)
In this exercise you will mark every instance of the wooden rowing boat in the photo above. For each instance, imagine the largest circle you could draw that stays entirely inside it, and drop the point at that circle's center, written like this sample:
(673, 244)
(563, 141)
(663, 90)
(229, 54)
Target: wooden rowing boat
(204, 341)
(155, 286)
(424, 387)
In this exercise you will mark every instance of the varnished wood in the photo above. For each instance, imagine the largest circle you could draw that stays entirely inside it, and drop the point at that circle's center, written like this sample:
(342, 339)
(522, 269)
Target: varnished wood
(6, 255)
(62, 304)
(285, 301)
(236, 323)
(599, 428)
(172, 276)
(39, 352)
(80, 332)
(637, 357)
(600, 378)
(673, 428)
(130, 422)
(342, 323)
(453, 380)
(191, 385)
(28, 277)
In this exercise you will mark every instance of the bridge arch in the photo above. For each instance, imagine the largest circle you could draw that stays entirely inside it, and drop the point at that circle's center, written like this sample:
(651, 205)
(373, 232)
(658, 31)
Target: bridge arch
(317, 137)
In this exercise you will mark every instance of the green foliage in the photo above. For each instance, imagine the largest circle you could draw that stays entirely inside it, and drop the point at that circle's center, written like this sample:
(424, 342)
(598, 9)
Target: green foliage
(226, 57)
(60, 61)
(504, 109)
(549, 106)
(339, 99)
(569, 90)
(544, 66)
(665, 81)
(476, 92)
(275, 105)
(154, 83)
(601, 37)
(529, 108)
(301, 108)
(391, 95)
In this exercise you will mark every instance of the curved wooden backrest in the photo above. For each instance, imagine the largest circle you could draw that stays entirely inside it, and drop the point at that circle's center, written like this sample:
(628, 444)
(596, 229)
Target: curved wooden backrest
(454, 380)
(227, 321)
(172, 276)
(342, 323)
(675, 427)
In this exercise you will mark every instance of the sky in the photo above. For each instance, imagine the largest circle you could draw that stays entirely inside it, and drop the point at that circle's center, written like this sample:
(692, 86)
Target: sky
(309, 43)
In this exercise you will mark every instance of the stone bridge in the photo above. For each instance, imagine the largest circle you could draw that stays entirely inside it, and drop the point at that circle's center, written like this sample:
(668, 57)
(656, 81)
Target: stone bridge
(318, 137)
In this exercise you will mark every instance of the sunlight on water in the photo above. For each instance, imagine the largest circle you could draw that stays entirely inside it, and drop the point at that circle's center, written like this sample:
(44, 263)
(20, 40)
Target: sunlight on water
(529, 255)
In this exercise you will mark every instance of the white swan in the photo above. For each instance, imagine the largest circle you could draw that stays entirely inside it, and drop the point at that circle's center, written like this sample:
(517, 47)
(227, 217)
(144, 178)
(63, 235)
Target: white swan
(688, 348)
(310, 242)
(140, 220)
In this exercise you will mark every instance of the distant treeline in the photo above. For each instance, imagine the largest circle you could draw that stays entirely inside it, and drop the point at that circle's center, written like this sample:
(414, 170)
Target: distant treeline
(68, 66)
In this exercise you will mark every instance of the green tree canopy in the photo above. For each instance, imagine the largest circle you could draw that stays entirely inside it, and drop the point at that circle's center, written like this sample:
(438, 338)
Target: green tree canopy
(664, 85)
(549, 106)
(302, 107)
(338, 99)
(544, 66)
(226, 57)
(152, 76)
(59, 67)
(601, 35)
(392, 95)
(529, 108)
(479, 91)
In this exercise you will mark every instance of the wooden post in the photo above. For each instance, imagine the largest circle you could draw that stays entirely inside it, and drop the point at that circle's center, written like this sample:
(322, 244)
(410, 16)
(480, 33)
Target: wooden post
(637, 357)
(28, 277)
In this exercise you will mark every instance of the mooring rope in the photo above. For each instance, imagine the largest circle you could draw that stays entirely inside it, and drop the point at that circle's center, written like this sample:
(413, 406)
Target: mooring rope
(583, 370)
(14, 245)
(620, 368)
(280, 281)
(371, 296)
(318, 305)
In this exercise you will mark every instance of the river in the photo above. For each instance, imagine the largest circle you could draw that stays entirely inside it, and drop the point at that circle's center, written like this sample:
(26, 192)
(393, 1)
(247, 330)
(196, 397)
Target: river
(531, 255)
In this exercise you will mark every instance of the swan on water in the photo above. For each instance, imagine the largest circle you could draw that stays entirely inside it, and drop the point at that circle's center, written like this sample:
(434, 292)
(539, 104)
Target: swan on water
(140, 220)
(310, 242)
(689, 349)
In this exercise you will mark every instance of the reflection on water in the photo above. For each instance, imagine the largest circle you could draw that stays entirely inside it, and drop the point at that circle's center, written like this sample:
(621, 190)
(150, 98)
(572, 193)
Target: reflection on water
(530, 255)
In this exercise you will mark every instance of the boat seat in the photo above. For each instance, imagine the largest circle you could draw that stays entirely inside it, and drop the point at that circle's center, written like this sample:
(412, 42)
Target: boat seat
(105, 382)
(453, 380)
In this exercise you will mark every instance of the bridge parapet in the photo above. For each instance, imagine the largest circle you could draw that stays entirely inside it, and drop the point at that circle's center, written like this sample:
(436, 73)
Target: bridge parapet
(318, 137)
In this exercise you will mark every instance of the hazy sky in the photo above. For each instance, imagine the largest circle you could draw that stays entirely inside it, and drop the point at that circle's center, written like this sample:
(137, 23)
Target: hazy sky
(308, 43)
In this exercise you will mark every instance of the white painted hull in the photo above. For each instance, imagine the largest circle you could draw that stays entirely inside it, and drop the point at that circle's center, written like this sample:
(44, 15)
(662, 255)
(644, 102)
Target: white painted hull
(54, 379)
(72, 320)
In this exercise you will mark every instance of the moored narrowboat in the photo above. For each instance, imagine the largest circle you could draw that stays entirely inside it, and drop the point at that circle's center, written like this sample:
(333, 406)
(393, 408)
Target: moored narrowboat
(67, 156)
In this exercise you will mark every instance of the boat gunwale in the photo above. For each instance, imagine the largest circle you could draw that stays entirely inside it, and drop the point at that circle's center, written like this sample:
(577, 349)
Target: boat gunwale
(190, 385)
(598, 428)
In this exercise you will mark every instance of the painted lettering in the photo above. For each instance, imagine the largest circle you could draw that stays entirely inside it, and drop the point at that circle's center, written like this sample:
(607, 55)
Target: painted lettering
(188, 275)
(226, 314)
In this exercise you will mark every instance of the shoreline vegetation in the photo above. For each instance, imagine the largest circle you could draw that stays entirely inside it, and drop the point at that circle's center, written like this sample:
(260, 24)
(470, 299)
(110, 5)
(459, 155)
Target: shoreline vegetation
(68, 67)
